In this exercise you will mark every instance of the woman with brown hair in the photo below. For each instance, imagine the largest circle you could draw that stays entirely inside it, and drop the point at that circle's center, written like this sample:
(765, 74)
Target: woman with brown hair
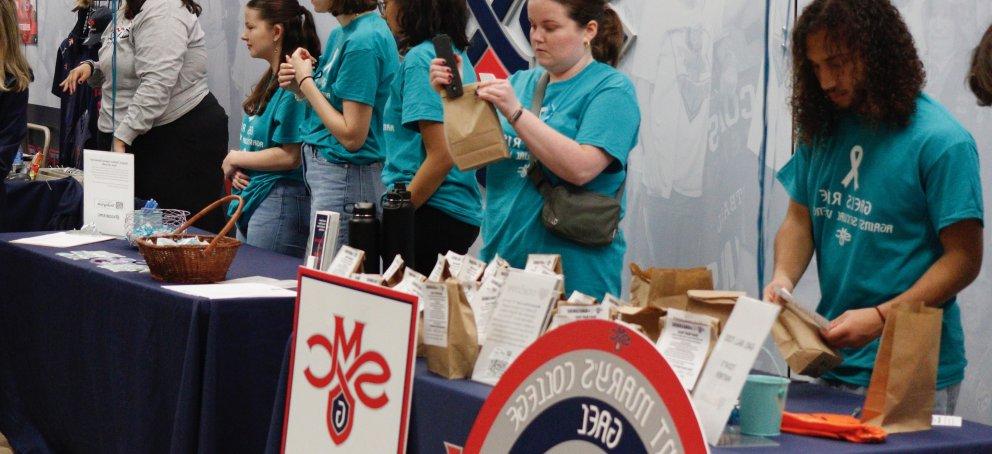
(980, 77)
(266, 171)
(581, 137)
(15, 76)
(160, 108)
(346, 95)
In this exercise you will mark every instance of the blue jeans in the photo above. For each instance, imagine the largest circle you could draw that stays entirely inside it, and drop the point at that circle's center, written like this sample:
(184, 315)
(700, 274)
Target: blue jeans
(335, 186)
(281, 223)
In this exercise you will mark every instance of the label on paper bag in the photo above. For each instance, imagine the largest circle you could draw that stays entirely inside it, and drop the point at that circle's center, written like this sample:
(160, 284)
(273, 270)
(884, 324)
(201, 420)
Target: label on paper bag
(568, 314)
(581, 298)
(471, 269)
(946, 421)
(434, 299)
(346, 262)
(437, 274)
(374, 279)
(549, 261)
(495, 265)
(612, 301)
(684, 342)
(394, 269)
(484, 301)
(730, 363)
(521, 312)
(454, 260)
(406, 285)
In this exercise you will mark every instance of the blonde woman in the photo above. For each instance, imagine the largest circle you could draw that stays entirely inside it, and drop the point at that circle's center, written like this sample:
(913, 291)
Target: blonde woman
(15, 75)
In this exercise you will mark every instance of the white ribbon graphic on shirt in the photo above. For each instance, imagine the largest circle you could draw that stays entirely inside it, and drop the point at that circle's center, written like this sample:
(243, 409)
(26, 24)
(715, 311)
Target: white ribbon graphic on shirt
(857, 153)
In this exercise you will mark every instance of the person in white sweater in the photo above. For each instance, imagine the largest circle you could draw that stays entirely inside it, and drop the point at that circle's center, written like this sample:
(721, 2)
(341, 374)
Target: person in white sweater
(156, 104)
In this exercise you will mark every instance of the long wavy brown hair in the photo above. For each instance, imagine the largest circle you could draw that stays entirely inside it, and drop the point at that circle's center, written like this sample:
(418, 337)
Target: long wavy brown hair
(876, 36)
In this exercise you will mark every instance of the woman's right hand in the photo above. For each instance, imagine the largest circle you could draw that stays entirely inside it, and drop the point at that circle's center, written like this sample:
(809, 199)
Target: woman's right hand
(440, 73)
(77, 76)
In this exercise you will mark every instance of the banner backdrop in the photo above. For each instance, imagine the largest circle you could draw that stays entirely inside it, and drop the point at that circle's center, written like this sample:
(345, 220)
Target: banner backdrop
(702, 186)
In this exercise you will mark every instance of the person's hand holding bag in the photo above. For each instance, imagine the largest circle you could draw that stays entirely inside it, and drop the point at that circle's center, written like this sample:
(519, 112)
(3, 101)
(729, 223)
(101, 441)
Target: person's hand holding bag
(500, 93)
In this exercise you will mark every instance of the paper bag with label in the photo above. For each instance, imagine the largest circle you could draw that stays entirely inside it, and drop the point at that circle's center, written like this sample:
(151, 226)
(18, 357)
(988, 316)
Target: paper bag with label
(901, 393)
(714, 303)
(453, 352)
(475, 136)
(650, 285)
(799, 341)
(648, 318)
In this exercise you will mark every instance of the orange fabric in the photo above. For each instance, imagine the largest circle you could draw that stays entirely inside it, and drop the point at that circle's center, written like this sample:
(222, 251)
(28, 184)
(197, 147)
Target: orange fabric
(828, 425)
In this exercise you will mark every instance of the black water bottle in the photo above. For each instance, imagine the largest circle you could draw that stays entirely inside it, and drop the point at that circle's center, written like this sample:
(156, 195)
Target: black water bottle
(397, 225)
(363, 234)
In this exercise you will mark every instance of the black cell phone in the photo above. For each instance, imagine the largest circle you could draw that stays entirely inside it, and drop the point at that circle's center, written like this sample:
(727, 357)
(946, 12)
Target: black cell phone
(442, 47)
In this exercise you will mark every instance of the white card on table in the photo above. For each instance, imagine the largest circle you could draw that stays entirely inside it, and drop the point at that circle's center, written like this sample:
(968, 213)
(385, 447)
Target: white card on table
(108, 190)
(730, 363)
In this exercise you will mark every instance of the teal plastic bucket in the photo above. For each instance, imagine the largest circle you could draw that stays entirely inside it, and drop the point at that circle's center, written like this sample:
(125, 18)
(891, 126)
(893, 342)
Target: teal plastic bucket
(762, 403)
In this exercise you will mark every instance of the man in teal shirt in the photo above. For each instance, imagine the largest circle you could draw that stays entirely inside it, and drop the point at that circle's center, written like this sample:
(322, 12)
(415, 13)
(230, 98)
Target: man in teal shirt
(884, 185)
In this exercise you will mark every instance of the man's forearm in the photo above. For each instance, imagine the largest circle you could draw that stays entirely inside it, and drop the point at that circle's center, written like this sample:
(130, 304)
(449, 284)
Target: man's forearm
(793, 251)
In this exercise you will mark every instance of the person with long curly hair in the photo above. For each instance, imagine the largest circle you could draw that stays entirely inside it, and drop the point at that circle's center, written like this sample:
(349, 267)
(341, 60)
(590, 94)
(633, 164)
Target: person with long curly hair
(448, 201)
(884, 188)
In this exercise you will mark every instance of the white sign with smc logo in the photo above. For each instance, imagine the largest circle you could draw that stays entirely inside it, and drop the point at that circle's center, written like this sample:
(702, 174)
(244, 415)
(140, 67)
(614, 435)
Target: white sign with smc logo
(351, 369)
(108, 190)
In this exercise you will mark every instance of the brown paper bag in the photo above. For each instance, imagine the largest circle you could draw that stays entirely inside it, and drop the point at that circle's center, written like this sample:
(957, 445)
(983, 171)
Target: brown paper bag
(645, 317)
(457, 359)
(901, 394)
(475, 136)
(800, 344)
(665, 282)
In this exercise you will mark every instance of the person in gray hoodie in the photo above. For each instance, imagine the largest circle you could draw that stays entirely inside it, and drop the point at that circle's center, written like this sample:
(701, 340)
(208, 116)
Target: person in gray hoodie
(156, 104)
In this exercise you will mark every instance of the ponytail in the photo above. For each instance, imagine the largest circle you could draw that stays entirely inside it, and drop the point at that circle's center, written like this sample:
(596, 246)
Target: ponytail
(608, 43)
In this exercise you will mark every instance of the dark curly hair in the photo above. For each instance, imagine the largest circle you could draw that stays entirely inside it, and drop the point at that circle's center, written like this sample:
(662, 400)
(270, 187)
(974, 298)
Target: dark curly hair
(421, 20)
(875, 34)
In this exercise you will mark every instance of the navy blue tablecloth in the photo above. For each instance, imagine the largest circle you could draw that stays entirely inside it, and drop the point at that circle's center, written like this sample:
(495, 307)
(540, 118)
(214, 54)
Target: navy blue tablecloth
(443, 411)
(96, 361)
(42, 205)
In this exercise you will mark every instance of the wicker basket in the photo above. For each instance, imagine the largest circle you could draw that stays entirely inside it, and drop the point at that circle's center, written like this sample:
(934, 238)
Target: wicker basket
(193, 264)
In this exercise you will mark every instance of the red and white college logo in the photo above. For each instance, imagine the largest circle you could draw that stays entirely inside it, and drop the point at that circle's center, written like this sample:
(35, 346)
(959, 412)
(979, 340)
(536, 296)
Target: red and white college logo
(347, 378)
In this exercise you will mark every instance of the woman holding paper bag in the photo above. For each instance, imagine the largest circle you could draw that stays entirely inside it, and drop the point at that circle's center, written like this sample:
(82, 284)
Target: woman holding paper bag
(588, 124)
(449, 206)
(342, 129)
(159, 107)
(266, 172)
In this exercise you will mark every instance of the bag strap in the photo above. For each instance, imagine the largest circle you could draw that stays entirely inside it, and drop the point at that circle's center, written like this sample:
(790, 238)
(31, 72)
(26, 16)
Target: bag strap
(536, 173)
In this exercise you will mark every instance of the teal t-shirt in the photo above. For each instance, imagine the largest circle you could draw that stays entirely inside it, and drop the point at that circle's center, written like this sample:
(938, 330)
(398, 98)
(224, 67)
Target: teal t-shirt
(412, 99)
(357, 65)
(277, 125)
(596, 107)
(878, 198)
